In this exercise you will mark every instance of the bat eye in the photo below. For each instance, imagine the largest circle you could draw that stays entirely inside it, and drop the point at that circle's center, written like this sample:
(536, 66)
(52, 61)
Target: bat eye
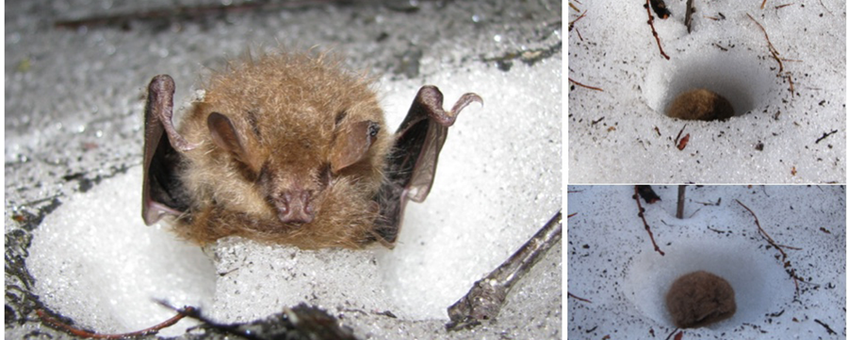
(340, 116)
(373, 129)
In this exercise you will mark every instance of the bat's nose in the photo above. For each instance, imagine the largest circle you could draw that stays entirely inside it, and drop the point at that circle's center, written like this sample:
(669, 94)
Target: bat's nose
(295, 207)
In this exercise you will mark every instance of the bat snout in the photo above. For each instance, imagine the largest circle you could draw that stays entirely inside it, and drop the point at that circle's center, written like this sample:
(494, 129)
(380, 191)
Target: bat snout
(295, 207)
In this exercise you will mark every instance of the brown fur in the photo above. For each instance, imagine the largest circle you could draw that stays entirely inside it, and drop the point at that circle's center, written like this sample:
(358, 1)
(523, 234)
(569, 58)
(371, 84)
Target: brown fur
(700, 104)
(288, 111)
(700, 298)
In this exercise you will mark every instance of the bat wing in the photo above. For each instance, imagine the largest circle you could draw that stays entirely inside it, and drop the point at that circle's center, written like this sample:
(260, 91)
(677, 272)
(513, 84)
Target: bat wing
(162, 192)
(411, 164)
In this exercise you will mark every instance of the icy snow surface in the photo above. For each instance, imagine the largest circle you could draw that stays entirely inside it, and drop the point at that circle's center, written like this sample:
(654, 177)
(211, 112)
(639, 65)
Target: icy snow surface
(73, 140)
(612, 263)
(622, 135)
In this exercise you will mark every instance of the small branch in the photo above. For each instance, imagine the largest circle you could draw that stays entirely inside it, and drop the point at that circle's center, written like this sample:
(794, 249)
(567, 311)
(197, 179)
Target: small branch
(182, 13)
(829, 331)
(653, 30)
(571, 24)
(825, 8)
(573, 7)
(642, 215)
(586, 86)
(771, 48)
(690, 8)
(579, 298)
(672, 333)
(776, 55)
(825, 136)
(681, 198)
(786, 264)
(762, 231)
(484, 300)
(679, 134)
(86, 334)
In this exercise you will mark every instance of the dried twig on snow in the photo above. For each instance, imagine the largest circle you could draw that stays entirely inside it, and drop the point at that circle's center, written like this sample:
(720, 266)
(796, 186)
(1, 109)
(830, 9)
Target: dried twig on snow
(776, 55)
(586, 86)
(484, 300)
(653, 30)
(690, 8)
(579, 298)
(786, 264)
(642, 215)
(86, 334)
(771, 48)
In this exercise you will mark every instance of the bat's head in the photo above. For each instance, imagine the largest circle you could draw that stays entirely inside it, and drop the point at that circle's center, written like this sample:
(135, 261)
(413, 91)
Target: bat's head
(287, 134)
(291, 169)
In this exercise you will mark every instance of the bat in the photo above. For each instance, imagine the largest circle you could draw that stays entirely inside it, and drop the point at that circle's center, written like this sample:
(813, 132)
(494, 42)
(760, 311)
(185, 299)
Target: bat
(700, 104)
(289, 149)
(700, 298)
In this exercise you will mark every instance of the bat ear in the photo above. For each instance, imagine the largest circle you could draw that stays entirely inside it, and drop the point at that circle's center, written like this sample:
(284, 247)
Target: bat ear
(352, 143)
(224, 134)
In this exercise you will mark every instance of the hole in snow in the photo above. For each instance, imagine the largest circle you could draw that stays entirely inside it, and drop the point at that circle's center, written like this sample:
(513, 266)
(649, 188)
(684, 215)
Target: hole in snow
(706, 83)
(758, 280)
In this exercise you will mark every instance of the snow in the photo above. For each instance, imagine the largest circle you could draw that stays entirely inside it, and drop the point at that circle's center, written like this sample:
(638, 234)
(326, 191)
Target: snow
(612, 263)
(621, 134)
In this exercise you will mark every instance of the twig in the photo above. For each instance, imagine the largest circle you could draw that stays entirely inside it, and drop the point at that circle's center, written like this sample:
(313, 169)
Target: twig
(598, 121)
(776, 55)
(182, 12)
(86, 334)
(679, 134)
(586, 86)
(829, 331)
(762, 231)
(484, 300)
(672, 333)
(579, 298)
(786, 264)
(763, 6)
(825, 136)
(690, 8)
(825, 8)
(653, 30)
(642, 215)
(571, 24)
(299, 322)
(771, 48)
(681, 198)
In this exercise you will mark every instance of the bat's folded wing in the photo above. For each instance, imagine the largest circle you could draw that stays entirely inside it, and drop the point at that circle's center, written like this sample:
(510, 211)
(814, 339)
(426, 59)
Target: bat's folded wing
(411, 164)
(162, 192)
